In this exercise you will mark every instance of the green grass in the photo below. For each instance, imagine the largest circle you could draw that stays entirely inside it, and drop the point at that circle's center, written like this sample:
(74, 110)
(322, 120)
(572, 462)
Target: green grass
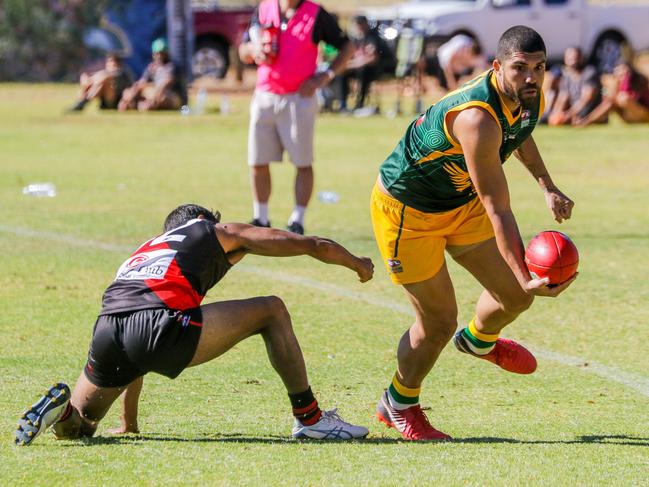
(227, 422)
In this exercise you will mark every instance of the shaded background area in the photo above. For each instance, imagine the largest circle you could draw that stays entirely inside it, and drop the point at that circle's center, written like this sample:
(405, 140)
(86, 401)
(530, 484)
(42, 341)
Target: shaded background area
(42, 40)
(54, 40)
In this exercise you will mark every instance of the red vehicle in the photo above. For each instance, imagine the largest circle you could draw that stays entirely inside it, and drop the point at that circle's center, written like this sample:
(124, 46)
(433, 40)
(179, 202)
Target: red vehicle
(218, 26)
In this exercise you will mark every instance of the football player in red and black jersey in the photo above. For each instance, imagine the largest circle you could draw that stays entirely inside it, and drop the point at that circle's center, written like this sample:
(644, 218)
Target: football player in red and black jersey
(152, 320)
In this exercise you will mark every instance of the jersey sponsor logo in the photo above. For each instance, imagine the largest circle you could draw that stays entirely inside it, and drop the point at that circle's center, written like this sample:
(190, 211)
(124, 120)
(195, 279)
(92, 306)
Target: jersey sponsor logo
(167, 238)
(525, 118)
(146, 265)
(395, 266)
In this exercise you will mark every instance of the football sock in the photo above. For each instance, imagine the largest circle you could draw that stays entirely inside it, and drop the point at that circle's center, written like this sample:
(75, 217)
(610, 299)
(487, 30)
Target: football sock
(402, 397)
(305, 407)
(298, 215)
(260, 211)
(66, 414)
(477, 342)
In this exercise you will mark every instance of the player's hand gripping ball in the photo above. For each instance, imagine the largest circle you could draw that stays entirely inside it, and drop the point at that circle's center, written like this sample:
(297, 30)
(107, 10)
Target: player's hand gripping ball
(553, 255)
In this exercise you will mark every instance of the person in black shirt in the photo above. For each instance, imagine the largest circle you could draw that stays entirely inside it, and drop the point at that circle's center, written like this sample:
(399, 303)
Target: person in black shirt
(372, 55)
(283, 42)
(152, 321)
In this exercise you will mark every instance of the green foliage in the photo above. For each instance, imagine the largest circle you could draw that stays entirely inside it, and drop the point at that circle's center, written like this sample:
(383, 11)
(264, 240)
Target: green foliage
(41, 40)
(226, 423)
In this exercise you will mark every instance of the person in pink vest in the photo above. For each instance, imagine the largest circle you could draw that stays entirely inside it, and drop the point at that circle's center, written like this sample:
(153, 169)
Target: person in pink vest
(283, 41)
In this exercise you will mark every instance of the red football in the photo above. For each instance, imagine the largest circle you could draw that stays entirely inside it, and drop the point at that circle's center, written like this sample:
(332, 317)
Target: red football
(552, 254)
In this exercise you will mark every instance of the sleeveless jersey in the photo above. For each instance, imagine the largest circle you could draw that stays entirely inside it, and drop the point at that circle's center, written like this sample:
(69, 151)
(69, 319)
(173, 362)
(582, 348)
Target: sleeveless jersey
(297, 56)
(174, 270)
(427, 170)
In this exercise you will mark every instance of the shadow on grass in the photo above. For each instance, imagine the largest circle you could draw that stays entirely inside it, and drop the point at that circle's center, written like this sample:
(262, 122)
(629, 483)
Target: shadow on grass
(586, 439)
(282, 440)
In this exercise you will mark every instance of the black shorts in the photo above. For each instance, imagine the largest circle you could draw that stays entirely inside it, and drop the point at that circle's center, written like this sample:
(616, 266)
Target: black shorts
(127, 345)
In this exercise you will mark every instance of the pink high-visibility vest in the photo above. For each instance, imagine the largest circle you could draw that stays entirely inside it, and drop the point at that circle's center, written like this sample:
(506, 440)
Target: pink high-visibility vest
(298, 54)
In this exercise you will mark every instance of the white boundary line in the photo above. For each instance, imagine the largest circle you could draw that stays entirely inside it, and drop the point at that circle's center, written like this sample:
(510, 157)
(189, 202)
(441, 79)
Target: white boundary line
(631, 380)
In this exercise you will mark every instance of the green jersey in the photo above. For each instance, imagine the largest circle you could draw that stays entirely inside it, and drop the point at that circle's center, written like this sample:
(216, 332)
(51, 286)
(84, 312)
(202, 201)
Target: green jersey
(427, 170)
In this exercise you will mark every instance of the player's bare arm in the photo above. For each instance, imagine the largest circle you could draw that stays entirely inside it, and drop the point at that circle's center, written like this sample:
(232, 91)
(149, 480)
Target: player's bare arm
(558, 203)
(130, 401)
(480, 136)
(239, 239)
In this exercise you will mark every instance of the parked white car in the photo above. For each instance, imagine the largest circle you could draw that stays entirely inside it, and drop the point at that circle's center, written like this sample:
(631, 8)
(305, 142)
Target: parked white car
(602, 28)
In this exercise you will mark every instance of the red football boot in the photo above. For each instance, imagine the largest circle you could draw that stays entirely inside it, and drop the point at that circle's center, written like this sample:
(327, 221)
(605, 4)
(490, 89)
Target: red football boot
(507, 354)
(412, 423)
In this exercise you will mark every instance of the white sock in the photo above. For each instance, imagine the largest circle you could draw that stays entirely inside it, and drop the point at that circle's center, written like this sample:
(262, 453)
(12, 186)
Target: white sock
(297, 215)
(260, 211)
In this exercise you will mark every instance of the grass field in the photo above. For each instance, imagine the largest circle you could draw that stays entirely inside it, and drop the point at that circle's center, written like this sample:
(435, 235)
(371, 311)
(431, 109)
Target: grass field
(581, 419)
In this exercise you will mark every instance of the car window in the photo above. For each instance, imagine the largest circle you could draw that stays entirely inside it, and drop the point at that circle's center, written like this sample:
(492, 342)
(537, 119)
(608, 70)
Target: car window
(511, 3)
(220, 4)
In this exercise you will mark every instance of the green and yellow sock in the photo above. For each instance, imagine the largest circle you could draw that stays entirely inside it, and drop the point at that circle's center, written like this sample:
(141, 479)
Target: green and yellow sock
(477, 342)
(402, 397)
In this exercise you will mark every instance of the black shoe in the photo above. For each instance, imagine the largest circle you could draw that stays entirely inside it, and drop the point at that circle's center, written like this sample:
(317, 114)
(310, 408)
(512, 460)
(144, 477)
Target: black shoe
(77, 107)
(295, 227)
(42, 414)
(256, 222)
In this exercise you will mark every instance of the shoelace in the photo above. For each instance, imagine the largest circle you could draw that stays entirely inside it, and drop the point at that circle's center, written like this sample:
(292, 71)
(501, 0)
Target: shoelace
(419, 419)
(333, 416)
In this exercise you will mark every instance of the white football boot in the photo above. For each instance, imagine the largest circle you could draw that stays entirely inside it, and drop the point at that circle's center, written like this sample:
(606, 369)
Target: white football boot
(329, 427)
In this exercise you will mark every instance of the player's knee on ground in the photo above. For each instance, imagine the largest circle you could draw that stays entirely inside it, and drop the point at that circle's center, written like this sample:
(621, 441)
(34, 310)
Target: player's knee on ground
(74, 427)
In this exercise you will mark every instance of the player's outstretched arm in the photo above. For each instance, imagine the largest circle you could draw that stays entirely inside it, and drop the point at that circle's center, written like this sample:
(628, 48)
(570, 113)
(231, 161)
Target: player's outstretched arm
(558, 203)
(239, 239)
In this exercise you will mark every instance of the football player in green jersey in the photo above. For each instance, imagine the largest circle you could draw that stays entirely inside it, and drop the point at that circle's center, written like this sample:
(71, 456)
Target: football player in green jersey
(443, 188)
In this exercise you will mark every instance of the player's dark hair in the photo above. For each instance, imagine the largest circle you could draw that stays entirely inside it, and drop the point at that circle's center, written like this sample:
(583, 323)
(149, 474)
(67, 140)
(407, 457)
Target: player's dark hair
(185, 213)
(519, 38)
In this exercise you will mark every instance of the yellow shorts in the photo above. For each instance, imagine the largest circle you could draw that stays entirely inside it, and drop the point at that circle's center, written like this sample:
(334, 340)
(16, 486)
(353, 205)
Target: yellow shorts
(412, 242)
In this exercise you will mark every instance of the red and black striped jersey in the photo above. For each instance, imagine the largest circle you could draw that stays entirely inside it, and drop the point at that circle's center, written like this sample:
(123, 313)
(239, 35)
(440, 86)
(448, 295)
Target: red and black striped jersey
(174, 270)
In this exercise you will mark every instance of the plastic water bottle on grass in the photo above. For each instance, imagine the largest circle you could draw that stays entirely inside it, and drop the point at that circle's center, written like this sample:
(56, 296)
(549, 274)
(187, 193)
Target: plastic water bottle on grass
(328, 197)
(201, 102)
(40, 190)
(225, 105)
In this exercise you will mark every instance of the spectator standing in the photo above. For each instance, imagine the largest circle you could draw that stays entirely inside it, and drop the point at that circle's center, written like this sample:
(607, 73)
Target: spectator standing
(283, 41)
(580, 90)
(106, 85)
(629, 98)
(159, 86)
(367, 63)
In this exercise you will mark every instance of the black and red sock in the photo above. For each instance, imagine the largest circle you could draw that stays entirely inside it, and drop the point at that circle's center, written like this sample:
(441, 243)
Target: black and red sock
(66, 414)
(305, 407)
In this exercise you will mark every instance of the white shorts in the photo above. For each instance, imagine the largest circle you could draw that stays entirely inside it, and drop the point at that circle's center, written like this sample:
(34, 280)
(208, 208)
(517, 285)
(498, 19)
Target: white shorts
(278, 123)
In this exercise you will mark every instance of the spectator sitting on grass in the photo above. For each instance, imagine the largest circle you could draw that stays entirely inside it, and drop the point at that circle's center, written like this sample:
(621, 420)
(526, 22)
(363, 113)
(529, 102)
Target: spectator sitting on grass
(107, 85)
(158, 88)
(460, 56)
(580, 90)
(629, 98)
